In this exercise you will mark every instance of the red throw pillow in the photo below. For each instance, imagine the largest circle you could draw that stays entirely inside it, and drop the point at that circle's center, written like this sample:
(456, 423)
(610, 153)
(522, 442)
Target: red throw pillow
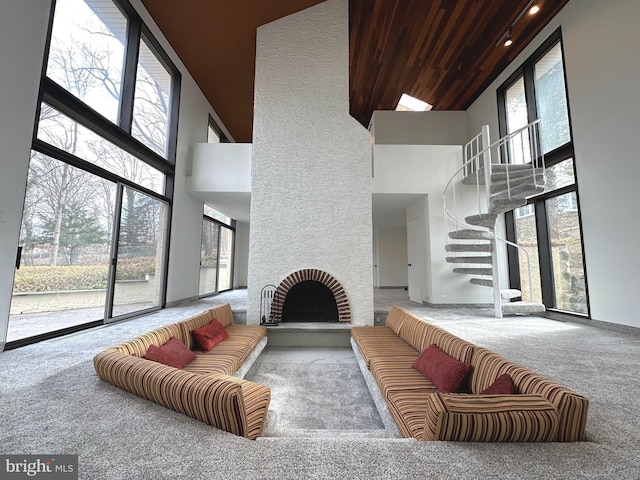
(210, 335)
(445, 372)
(503, 385)
(173, 353)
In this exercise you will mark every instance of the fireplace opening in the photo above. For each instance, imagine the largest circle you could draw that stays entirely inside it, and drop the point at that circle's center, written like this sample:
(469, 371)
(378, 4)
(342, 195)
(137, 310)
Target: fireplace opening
(310, 301)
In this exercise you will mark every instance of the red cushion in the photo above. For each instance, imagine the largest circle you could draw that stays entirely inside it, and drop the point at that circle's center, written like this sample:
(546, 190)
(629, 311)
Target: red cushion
(445, 372)
(173, 353)
(210, 335)
(503, 385)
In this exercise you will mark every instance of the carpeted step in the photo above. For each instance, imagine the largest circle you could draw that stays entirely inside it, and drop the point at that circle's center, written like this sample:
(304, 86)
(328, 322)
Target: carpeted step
(469, 247)
(510, 293)
(474, 271)
(509, 167)
(522, 308)
(501, 205)
(328, 433)
(513, 174)
(505, 294)
(485, 282)
(488, 259)
(501, 186)
(524, 190)
(499, 173)
(487, 220)
(468, 234)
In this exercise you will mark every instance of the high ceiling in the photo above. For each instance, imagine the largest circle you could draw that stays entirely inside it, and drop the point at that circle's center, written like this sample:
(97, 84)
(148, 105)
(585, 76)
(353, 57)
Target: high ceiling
(441, 51)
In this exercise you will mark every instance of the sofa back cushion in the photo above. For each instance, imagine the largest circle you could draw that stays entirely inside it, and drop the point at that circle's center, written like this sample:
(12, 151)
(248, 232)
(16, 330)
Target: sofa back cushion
(450, 344)
(193, 323)
(395, 317)
(139, 345)
(413, 331)
(224, 314)
(487, 367)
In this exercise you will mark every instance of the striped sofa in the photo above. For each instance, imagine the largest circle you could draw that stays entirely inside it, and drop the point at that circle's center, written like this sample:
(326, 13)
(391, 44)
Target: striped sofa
(209, 388)
(539, 411)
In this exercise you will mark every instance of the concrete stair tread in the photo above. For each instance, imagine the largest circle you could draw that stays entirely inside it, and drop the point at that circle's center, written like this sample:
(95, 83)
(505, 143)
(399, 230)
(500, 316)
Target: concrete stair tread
(488, 259)
(469, 247)
(468, 234)
(522, 308)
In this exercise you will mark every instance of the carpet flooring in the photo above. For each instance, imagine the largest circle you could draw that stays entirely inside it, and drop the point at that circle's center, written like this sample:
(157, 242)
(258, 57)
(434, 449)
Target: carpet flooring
(51, 402)
(311, 399)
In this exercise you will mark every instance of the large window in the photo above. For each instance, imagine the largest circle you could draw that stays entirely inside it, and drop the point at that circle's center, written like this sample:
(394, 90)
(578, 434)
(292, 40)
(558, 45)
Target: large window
(216, 254)
(548, 228)
(100, 182)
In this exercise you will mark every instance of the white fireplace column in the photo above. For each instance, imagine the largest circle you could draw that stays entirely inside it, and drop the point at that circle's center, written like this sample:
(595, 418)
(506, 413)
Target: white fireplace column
(311, 170)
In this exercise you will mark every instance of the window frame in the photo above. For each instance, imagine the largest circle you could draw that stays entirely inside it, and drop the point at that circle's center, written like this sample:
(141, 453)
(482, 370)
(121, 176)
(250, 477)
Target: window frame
(231, 226)
(212, 124)
(118, 133)
(551, 158)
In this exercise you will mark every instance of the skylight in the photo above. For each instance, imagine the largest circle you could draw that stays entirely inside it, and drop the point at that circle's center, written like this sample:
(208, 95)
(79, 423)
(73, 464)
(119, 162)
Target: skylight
(408, 103)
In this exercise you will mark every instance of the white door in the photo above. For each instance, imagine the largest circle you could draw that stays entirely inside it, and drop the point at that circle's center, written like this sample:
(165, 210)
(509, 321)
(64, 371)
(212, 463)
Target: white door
(414, 259)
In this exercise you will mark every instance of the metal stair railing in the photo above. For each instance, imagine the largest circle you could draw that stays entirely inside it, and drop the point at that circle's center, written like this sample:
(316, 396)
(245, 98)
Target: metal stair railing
(479, 149)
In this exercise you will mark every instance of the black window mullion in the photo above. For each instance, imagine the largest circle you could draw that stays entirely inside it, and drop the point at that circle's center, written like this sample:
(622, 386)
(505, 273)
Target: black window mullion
(66, 157)
(130, 69)
(513, 258)
(172, 138)
(67, 103)
(544, 255)
(113, 264)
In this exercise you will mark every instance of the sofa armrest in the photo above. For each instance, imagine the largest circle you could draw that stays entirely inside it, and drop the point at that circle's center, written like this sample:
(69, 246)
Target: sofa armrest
(211, 399)
(256, 398)
(490, 418)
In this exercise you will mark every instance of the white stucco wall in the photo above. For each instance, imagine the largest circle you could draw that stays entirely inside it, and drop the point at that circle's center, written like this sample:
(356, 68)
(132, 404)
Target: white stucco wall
(602, 63)
(425, 169)
(311, 172)
(389, 127)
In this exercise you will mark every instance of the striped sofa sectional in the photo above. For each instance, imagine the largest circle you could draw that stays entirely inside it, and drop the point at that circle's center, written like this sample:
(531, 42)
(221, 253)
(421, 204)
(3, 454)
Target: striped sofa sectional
(209, 388)
(539, 411)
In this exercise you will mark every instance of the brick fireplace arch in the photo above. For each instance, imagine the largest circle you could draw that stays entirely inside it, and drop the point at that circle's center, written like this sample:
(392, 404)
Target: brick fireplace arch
(344, 312)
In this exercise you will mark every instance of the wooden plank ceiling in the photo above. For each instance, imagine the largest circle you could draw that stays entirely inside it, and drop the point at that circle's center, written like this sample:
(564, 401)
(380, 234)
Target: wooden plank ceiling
(443, 52)
(440, 51)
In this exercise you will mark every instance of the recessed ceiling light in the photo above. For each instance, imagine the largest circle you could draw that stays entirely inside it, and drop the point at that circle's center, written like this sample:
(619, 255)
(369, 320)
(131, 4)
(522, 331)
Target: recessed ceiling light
(535, 8)
(409, 103)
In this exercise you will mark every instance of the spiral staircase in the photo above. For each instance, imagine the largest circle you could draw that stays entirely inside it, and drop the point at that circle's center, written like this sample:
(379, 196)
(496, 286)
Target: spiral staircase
(471, 216)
